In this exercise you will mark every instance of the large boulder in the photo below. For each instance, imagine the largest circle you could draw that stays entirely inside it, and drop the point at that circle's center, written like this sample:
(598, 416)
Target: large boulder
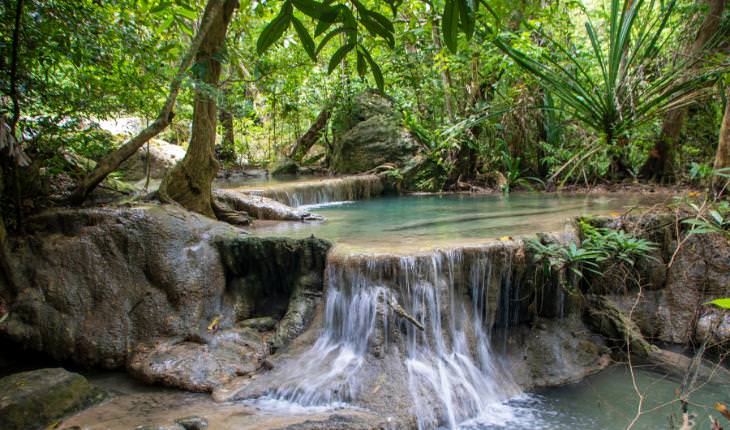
(31, 400)
(161, 156)
(369, 133)
(90, 285)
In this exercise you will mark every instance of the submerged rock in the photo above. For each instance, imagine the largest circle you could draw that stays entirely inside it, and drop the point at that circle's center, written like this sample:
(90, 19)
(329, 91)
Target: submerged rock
(31, 400)
(369, 133)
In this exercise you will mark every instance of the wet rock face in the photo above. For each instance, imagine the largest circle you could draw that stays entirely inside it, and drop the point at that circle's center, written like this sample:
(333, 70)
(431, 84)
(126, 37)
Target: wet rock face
(93, 283)
(90, 285)
(274, 277)
(31, 400)
(554, 352)
(369, 133)
(263, 208)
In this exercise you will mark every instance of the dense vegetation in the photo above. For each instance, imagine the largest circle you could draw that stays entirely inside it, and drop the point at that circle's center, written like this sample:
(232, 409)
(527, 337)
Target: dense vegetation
(496, 93)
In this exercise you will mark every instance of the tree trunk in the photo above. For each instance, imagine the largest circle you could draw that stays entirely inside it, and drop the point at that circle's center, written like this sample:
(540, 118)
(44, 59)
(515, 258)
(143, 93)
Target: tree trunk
(658, 165)
(112, 161)
(722, 157)
(189, 182)
(445, 74)
(228, 146)
(305, 142)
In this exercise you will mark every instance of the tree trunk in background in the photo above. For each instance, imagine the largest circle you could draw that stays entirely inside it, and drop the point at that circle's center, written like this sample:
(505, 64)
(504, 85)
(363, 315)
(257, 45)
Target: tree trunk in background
(189, 182)
(112, 161)
(305, 142)
(228, 146)
(445, 74)
(722, 157)
(658, 165)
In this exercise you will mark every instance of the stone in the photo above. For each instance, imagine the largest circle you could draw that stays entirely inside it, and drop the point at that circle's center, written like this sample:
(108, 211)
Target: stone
(193, 423)
(260, 324)
(196, 366)
(369, 133)
(33, 399)
(162, 156)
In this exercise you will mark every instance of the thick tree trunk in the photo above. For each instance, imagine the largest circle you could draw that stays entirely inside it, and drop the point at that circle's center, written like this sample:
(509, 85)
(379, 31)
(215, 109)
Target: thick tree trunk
(722, 157)
(189, 182)
(112, 161)
(658, 165)
(305, 142)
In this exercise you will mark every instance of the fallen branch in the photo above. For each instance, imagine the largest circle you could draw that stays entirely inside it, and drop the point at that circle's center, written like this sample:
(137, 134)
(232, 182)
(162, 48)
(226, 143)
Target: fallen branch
(398, 309)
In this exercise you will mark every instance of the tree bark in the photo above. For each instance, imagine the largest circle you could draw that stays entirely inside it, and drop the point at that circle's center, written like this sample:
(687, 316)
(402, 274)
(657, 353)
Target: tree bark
(722, 157)
(305, 142)
(228, 146)
(112, 161)
(658, 165)
(189, 182)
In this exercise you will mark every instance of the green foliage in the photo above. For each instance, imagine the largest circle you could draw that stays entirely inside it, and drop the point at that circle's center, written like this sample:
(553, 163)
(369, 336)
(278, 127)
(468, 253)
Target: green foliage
(599, 248)
(349, 20)
(720, 303)
(710, 218)
(618, 94)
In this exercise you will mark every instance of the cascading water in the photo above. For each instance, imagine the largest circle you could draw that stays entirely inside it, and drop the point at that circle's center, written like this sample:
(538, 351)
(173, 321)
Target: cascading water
(323, 191)
(453, 377)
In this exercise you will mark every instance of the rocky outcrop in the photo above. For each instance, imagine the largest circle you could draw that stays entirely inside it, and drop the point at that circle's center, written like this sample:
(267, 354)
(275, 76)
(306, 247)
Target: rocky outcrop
(93, 285)
(674, 298)
(161, 156)
(31, 400)
(369, 133)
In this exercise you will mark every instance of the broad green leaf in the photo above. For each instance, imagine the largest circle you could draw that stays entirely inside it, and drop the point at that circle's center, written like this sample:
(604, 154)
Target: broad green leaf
(338, 56)
(375, 29)
(305, 38)
(316, 10)
(361, 64)
(377, 74)
(160, 7)
(722, 303)
(274, 29)
(329, 37)
(450, 24)
(385, 22)
(467, 14)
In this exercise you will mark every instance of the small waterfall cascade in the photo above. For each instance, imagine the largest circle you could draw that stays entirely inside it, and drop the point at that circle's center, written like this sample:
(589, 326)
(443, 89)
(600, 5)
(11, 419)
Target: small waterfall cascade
(419, 325)
(348, 188)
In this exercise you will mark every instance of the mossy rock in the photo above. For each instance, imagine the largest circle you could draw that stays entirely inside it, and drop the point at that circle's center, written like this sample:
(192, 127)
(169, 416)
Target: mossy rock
(369, 133)
(32, 400)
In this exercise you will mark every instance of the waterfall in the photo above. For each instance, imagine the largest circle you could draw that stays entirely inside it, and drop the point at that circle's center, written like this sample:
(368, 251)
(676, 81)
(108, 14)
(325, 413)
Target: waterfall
(296, 194)
(453, 376)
